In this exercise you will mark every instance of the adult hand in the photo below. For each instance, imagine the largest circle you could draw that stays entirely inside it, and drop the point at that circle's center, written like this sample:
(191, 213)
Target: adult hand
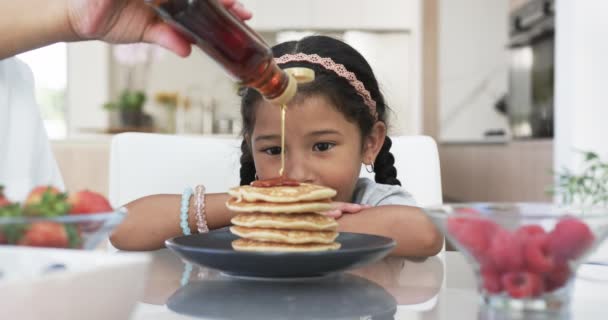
(127, 21)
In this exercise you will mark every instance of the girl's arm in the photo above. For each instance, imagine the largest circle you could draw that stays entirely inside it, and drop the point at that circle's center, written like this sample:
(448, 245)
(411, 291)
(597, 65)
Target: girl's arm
(415, 234)
(152, 219)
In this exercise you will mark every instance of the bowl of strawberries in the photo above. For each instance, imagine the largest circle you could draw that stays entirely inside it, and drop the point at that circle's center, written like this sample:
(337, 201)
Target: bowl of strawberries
(524, 255)
(50, 218)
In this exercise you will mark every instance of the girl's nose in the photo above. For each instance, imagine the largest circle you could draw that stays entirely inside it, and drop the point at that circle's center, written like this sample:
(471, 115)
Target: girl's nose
(299, 169)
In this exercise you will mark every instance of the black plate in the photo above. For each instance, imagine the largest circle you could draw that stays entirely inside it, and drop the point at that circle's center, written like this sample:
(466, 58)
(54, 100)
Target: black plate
(214, 250)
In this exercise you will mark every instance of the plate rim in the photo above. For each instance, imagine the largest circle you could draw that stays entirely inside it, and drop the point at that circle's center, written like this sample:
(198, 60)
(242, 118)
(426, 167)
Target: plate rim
(391, 243)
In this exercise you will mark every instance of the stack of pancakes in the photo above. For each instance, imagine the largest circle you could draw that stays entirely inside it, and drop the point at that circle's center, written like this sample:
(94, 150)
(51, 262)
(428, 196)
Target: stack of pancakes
(283, 218)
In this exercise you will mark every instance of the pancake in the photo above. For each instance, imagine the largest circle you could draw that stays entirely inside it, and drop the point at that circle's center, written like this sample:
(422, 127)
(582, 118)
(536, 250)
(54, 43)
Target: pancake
(297, 207)
(304, 221)
(282, 194)
(284, 236)
(258, 246)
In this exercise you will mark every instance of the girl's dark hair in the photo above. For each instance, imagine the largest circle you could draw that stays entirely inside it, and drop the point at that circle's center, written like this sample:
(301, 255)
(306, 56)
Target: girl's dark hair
(335, 88)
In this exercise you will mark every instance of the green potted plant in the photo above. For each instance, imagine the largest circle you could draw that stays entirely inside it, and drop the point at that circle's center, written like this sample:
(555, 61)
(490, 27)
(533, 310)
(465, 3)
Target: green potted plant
(130, 106)
(587, 187)
(133, 62)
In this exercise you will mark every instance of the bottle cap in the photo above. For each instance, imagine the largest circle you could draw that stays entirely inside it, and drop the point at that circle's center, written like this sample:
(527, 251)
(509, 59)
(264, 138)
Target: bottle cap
(302, 75)
(289, 93)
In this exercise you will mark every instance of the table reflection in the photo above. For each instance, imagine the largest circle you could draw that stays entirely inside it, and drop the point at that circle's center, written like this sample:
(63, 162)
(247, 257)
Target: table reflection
(344, 296)
(376, 291)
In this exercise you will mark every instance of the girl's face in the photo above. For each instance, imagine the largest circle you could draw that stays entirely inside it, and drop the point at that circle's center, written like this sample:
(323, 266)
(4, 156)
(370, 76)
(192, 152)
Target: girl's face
(321, 146)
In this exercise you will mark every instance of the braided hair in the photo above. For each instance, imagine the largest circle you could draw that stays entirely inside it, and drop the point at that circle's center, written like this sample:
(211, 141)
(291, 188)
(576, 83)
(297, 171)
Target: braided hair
(339, 92)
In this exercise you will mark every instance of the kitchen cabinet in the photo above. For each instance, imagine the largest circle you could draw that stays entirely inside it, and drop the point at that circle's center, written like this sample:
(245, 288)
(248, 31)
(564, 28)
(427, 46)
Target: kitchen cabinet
(514, 171)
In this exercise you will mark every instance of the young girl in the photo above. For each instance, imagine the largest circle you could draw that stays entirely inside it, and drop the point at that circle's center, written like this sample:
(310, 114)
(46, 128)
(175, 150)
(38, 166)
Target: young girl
(334, 124)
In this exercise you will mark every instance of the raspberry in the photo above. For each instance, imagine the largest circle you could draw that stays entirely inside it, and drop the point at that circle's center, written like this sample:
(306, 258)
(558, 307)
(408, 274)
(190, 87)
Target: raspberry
(472, 233)
(570, 238)
(467, 210)
(522, 284)
(558, 276)
(529, 230)
(506, 251)
(491, 280)
(537, 255)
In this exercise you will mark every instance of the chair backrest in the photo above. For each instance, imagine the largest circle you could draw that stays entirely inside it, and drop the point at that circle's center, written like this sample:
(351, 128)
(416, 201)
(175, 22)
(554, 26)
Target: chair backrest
(417, 164)
(144, 164)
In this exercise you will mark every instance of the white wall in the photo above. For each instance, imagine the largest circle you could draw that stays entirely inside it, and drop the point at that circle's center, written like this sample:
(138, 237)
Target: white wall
(88, 85)
(472, 67)
(393, 72)
(389, 15)
(581, 101)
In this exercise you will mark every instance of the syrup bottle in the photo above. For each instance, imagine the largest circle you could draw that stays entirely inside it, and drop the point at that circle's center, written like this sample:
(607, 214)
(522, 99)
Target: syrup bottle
(230, 42)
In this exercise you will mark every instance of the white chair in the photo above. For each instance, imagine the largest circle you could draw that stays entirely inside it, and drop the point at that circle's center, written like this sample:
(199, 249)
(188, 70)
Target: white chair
(144, 164)
(417, 164)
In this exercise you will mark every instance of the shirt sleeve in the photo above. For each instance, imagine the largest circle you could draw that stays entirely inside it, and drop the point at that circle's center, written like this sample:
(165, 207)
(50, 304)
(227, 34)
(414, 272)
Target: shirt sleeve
(26, 158)
(377, 194)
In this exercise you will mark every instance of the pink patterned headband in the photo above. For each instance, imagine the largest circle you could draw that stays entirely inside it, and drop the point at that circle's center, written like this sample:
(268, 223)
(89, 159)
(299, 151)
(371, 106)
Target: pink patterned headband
(339, 69)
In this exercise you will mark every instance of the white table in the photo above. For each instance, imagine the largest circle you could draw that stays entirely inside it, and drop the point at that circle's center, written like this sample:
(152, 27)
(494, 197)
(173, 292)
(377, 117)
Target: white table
(440, 287)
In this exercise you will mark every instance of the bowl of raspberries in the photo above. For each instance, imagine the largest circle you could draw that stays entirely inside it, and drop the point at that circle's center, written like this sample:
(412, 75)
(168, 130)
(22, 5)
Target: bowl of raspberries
(524, 255)
(50, 218)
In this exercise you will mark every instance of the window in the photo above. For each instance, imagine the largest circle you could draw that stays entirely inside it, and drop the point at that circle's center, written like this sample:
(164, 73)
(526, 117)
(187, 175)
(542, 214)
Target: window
(49, 66)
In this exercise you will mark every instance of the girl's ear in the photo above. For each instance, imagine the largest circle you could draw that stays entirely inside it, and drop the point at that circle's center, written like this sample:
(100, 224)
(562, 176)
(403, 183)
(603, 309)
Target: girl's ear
(247, 139)
(373, 142)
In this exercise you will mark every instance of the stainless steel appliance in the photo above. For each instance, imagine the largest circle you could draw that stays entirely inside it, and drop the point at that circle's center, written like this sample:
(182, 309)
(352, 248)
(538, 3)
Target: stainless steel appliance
(531, 70)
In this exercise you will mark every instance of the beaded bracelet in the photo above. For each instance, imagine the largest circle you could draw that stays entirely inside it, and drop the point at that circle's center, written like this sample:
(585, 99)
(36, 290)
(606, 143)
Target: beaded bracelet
(183, 216)
(199, 209)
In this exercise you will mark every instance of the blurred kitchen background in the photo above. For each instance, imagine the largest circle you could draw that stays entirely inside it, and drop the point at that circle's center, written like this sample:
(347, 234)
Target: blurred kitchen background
(496, 83)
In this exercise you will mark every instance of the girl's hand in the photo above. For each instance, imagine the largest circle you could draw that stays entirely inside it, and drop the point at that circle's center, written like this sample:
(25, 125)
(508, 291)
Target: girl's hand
(340, 208)
(127, 21)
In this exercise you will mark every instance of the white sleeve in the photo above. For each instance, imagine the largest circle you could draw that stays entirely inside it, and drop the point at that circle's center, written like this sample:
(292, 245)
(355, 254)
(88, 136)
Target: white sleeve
(377, 194)
(26, 159)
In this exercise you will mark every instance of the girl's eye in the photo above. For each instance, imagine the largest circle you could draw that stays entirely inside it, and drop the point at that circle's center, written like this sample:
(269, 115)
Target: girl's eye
(273, 151)
(323, 146)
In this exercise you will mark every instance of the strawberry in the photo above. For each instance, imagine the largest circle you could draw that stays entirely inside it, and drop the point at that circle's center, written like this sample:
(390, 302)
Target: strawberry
(522, 284)
(46, 201)
(529, 230)
(11, 233)
(35, 196)
(506, 251)
(570, 239)
(537, 255)
(85, 201)
(45, 234)
(3, 200)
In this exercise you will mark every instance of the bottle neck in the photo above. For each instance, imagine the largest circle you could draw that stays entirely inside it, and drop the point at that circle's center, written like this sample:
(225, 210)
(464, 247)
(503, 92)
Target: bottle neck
(276, 85)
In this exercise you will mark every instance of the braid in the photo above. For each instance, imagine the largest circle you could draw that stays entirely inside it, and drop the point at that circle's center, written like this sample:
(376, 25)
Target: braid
(386, 172)
(247, 166)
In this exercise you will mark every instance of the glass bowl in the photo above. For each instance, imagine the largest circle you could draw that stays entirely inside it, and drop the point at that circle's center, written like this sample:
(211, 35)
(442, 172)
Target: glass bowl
(524, 255)
(83, 231)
